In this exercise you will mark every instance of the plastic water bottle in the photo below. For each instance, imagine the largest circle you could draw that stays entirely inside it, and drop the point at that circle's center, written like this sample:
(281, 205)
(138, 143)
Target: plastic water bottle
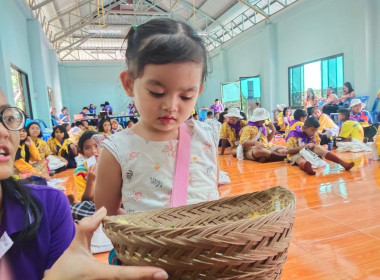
(330, 144)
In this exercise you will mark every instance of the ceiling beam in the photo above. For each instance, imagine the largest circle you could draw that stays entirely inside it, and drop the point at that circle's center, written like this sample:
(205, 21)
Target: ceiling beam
(36, 7)
(79, 42)
(256, 9)
(90, 19)
(70, 10)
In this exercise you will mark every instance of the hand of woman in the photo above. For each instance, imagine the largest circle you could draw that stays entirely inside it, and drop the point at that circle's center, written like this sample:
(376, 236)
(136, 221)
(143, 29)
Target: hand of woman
(28, 141)
(77, 261)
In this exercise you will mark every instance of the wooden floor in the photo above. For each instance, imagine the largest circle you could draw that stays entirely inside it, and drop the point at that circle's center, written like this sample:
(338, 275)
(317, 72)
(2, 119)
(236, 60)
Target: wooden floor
(337, 226)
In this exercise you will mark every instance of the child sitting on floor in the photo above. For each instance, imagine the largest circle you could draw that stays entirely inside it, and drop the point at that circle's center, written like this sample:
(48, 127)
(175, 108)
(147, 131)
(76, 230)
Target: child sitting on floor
(350, 128)
(105, 126)
(255, 138)
(307, 137)
(328, 128)
(286, 119)
(230, 130)
(115, 126)
(61, 146)
(300, 116)
(27, 154)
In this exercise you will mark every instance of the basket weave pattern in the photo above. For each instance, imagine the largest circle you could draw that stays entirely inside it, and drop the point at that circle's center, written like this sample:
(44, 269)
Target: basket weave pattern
(240, 237)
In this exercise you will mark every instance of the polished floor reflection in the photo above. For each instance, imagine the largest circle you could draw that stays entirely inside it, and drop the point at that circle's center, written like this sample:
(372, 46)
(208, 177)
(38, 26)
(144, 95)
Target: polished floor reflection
(337, 226)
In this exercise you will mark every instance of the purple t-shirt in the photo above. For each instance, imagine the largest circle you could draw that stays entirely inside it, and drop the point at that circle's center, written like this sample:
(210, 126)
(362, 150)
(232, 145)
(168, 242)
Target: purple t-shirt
(217, 108)
(29, 259)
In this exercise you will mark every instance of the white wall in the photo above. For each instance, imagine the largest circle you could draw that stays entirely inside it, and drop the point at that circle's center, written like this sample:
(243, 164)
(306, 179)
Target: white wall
(304, 32)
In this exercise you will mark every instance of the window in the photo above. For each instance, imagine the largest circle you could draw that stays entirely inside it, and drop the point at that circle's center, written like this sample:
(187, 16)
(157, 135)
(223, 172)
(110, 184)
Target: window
(250, 90)
(230, 95)
(318, 75)
(21, 93)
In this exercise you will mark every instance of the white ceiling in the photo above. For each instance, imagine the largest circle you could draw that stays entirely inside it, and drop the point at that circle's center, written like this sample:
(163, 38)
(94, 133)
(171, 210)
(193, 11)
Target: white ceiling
(95, 29)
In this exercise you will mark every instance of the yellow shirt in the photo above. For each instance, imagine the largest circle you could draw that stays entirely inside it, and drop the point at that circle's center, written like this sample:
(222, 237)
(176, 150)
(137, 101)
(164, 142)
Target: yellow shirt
(325, 122)
(80, 179)
(293, 127)
(378, 141)
(226, 132)
(249, 132)
(353, 129)
(293, 142)
(279, 117)
(43, 148)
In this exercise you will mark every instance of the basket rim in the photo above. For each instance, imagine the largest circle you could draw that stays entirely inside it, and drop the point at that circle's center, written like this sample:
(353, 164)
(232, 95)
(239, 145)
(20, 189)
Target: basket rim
(111, 219)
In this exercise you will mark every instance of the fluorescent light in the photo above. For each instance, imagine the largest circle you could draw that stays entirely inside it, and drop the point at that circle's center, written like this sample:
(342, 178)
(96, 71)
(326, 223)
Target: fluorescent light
(104, 31)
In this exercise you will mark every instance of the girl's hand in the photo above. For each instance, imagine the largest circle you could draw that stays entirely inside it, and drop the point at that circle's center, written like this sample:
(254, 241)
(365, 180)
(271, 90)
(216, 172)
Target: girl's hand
(77, 261)
(310, 146)
(91, 174)
(28, 141)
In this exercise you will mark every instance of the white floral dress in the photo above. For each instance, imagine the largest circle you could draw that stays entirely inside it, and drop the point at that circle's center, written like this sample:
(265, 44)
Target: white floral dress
(148, 167)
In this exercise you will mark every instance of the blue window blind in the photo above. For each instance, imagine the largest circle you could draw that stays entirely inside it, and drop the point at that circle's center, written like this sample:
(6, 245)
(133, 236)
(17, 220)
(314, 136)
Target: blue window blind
(332, 74)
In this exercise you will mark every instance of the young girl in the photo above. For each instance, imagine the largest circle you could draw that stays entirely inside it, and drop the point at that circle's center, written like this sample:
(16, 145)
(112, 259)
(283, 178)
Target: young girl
(115, 126)
(61, 146)
(287, 117)
(26, 155)
(105, 126)
(34, 131)
(167, 65)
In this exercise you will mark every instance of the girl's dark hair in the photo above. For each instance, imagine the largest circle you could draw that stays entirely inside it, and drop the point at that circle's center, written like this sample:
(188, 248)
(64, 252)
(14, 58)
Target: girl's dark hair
(312, 94)
(29, 126)
(349, 86)
(285, 109)
(312, 122)
(62, 129)
(128, 122)
(33, 210)
(27, 152)
(84, 137)
(299, 113)
(102, 121)
(162, 41)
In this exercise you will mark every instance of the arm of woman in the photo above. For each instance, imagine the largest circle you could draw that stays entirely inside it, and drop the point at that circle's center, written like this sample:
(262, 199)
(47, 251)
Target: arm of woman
(77, 262)
(351, 94)
(108, 184)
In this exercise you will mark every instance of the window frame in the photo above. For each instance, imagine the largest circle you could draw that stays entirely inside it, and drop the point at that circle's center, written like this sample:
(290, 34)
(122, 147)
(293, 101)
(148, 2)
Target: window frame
(308, 62)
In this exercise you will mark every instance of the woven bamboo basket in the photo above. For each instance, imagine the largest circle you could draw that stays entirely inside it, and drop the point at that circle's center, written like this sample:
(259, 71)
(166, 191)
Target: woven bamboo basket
(240, 237)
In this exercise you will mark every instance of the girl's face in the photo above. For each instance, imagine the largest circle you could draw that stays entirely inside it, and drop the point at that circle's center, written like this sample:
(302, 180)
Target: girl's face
(288, 112)
(345, 89)
(309, 93)
(59, 135)
(23, 134)
(85, 124)
(64, 111)
(107, 127)
(90, 148)
(114, 125)
(165, 96)
(130, 124)
(232, 120)
(34, 130)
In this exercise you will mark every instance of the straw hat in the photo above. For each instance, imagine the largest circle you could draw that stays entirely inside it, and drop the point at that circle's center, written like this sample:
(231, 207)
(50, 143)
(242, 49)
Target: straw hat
(355, 102)
(281, 107)
(259, 114)
(233, 112)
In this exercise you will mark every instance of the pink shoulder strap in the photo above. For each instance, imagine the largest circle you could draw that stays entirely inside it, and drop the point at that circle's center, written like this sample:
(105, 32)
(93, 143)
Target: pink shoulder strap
(181, 171)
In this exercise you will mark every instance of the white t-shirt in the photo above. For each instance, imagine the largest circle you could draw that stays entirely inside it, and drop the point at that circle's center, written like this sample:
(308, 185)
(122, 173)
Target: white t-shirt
(148, 167)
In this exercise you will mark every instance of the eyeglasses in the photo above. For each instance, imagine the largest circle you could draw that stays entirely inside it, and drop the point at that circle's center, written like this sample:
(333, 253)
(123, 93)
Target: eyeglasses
(12, 118)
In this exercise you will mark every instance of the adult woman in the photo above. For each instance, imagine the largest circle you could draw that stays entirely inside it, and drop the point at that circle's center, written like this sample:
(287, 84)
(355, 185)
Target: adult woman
(310, 101)
(36, 225)
(331, 102)
(347, 96)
